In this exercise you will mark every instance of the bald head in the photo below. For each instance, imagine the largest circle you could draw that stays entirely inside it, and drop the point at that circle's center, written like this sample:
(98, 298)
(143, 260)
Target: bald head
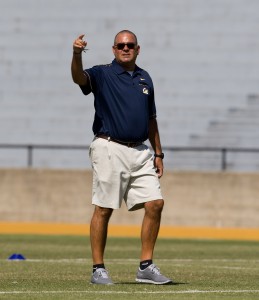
(128, 32)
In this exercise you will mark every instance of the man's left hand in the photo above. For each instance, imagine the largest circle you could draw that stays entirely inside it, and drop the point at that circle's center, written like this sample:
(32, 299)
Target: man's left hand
(158, 163)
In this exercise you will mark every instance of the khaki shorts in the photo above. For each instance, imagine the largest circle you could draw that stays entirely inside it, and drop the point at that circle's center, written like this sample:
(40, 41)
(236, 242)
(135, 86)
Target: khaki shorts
(120, 172)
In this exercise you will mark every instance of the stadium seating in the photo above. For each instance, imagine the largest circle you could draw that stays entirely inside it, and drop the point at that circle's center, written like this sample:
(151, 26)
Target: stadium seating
(203, 57)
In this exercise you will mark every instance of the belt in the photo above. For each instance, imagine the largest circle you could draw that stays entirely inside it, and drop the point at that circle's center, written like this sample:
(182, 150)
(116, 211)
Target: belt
(128, 144)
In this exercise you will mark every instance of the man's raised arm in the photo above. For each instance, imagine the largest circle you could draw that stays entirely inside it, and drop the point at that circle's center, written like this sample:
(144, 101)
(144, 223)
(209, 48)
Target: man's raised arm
(77, 65)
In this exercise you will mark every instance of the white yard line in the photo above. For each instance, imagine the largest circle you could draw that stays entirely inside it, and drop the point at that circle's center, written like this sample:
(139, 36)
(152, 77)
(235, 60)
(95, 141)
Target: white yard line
(132, 260)
(133, 292)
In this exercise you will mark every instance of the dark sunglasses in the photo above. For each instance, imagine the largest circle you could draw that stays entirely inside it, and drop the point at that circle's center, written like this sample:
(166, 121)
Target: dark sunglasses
(120, 46)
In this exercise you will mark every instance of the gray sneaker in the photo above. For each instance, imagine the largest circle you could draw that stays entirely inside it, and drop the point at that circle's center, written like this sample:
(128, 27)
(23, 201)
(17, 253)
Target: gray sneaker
(100, 276)
(152, 275)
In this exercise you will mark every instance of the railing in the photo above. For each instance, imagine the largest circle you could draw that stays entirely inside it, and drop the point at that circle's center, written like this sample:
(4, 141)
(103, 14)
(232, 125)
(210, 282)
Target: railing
(222, 150)
(31, 147)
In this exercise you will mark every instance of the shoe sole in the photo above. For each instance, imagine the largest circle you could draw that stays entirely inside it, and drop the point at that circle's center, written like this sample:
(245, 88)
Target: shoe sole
(153, 282)
(110, 283)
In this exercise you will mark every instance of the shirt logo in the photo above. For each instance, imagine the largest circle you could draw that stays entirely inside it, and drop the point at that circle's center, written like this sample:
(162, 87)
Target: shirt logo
(145, 91)
(142, 78)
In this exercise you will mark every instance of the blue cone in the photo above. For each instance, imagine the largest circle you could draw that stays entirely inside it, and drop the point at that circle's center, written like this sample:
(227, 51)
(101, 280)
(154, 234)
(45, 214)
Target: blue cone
(16, 256)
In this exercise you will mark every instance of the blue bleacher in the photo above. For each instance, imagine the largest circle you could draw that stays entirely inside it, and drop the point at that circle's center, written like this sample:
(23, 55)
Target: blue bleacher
(203, 57)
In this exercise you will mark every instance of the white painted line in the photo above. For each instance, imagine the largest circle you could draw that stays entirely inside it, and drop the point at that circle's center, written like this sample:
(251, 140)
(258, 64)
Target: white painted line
(130, 260)
(133, 292)
(232, 268)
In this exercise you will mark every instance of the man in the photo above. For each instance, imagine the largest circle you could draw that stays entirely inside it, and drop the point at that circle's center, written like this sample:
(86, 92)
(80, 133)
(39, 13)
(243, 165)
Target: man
(123, 167)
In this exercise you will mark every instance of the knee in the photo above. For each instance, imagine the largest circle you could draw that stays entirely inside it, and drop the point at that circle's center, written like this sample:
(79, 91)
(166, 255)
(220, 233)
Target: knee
(159, 205)
(155, 206)
(102, 212)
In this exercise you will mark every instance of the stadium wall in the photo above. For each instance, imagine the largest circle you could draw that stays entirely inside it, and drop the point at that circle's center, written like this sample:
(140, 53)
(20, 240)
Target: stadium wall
(215, 200)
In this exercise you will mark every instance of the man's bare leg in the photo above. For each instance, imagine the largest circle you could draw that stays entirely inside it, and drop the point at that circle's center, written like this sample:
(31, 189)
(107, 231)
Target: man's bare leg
(148, 272)
(150, 228)
(98, 233)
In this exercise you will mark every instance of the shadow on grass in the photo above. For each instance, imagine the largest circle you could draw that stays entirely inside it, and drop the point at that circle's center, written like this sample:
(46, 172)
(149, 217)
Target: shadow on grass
(139, 283)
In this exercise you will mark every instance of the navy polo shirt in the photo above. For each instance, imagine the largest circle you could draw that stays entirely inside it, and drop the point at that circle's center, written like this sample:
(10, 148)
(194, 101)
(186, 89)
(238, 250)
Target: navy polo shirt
(124, 104)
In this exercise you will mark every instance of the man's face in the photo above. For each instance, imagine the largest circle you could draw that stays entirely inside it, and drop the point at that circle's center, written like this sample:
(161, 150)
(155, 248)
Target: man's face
(126, 49)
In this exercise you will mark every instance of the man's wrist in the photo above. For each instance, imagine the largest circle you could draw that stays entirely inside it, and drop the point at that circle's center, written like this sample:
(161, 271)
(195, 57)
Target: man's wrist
(77, 53)
(161, 155)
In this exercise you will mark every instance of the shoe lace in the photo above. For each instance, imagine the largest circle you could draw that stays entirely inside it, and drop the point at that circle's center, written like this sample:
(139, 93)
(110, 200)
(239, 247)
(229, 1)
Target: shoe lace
(103, 273)
(155, 269)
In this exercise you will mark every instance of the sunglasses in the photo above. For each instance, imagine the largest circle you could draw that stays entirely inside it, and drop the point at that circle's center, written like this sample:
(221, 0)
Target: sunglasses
(120, 46)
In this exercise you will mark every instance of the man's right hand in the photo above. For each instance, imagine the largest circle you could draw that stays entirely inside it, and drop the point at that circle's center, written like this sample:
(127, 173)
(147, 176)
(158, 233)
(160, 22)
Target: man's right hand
(77, 65)
(79, 44)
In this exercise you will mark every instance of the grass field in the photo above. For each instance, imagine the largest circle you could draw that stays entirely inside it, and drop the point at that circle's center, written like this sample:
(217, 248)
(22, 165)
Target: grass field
(59, 267)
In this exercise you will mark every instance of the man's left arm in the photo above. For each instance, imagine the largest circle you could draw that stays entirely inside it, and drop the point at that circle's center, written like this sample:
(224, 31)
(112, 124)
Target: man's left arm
(154, 139)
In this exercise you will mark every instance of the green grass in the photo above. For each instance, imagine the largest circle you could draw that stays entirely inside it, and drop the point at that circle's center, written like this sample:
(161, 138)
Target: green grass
(59, 267)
